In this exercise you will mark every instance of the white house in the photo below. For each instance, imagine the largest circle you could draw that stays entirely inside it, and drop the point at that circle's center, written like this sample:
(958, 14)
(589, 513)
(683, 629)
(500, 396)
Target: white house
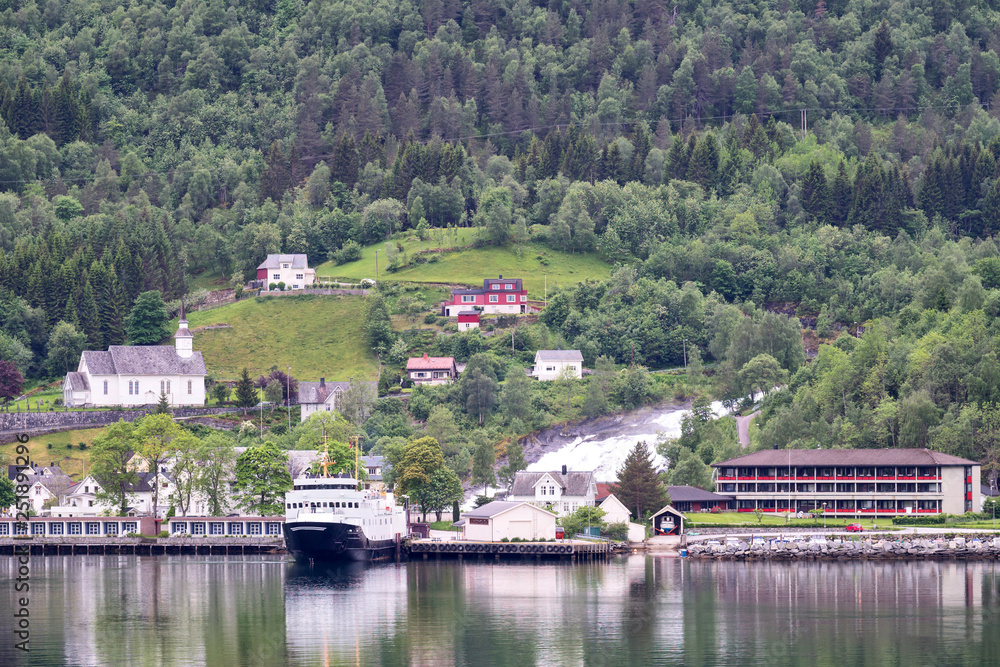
(550, 364)
(41, 486)
(505, 519)
(293, 270)
(324, 396)
(80, 500)
(565, 491)
(614, 510)
(136, 375)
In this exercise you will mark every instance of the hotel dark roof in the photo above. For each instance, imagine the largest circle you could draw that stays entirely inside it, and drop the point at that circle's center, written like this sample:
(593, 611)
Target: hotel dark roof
(692, 494)
(845, 457)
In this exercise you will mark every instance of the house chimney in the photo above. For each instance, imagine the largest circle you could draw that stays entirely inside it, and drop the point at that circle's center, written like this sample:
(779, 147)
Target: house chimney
(322, 383)
(564, 470)
(425, 355)
(500, 277)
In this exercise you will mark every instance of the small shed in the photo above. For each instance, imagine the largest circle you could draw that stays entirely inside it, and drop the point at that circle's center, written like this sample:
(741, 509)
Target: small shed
(668, 521)
(468, 319)
(508, 519)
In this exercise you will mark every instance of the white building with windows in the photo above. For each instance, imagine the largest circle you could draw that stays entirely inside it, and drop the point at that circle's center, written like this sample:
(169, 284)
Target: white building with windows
(136, 375)
(326, 396)
(565, 491)
(551, 364)
(293, 270)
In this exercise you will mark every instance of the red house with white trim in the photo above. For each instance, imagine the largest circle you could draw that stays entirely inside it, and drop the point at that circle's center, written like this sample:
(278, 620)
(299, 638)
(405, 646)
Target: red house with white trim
(498, 295)
(431, 370)
(468, 319)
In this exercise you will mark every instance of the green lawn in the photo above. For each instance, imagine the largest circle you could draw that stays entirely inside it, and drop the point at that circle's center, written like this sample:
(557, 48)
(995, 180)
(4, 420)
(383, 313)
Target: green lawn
(772, 520)
(73, 461)
(207, 280)
(318, 336)
(536, 265)
(47, 396)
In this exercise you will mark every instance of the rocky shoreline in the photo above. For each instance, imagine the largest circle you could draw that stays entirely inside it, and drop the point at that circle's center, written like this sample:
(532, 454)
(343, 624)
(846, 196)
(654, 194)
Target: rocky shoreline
(872, 548)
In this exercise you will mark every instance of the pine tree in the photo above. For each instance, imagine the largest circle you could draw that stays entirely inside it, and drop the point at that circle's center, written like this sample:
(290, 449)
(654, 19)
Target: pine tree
(840, 197)
(345, 163)
(275, 179)
(932, 192)
(639, 487)
(676, 166)
(883, 46)
(869, 193)
(90, 321)
(246, 391)
(815, 193)
(703, 168)
(24, 110)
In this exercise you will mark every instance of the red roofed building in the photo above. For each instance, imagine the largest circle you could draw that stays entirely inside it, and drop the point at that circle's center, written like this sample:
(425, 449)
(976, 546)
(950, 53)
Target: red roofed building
(431, 370)
(498, 295)
(468, 319)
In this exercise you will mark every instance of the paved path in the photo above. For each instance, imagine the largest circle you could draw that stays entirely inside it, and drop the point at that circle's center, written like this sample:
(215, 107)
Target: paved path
(743, 424)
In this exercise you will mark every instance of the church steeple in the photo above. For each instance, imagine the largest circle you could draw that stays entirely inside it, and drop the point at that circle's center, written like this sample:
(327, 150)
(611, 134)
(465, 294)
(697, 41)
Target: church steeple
(183, 339)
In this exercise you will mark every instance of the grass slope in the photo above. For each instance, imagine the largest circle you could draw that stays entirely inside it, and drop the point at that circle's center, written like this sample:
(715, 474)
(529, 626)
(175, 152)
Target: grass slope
(73, 461)
(536, 264)
(315, 335)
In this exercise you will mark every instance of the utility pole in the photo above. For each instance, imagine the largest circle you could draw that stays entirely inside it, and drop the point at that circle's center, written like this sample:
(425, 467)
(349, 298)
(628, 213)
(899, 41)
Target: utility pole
(288, 394)
(376, 268)
(684, 345)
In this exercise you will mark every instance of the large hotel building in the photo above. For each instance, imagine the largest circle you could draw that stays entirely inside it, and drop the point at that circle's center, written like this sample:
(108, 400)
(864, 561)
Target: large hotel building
(851, 482)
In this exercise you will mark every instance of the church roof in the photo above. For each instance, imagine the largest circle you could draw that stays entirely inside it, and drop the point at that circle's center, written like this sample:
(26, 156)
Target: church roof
(143, 360)
(77, 381)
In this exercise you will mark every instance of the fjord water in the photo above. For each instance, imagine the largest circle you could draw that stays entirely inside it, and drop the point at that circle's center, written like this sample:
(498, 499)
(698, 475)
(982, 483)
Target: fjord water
(219, 611)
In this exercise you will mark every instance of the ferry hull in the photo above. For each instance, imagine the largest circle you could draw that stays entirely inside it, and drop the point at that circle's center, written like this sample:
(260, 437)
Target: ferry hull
(316, 540)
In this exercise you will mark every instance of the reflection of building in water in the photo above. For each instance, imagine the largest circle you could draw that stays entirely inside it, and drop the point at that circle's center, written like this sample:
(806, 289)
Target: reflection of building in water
(333, 616)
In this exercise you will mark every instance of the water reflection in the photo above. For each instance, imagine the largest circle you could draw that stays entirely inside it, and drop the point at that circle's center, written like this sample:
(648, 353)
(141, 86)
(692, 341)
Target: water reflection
(261, 611)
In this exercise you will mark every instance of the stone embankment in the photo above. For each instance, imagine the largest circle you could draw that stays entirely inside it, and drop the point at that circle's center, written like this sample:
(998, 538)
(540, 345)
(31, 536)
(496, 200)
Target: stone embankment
(924, 547)
(35, 423)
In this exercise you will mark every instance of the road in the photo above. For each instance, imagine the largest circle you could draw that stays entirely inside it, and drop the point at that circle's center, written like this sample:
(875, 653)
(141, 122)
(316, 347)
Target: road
(743, 425)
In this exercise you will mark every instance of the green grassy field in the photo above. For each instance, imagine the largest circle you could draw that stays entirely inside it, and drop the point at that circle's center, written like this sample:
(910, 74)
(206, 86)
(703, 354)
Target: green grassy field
(772, 520)
(316, 336)
(72, 461)
(536, 265)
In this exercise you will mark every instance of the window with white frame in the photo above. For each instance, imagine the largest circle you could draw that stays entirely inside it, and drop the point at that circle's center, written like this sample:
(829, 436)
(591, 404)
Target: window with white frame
(190, 386)
(300, 276)
(543, 489)
(164, 386)
(494, 298)
(275, 276)
(495, 286)
(285, 266)
(524, 298)
(74, 528)
(508, 287)
(468, 298)
(511, 298)
(105, 387)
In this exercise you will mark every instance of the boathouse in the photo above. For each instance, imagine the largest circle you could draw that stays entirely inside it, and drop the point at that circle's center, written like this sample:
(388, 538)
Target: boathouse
(501, 519)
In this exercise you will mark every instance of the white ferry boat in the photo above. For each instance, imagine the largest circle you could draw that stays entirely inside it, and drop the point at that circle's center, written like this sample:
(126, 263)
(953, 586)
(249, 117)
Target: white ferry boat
(328, 518)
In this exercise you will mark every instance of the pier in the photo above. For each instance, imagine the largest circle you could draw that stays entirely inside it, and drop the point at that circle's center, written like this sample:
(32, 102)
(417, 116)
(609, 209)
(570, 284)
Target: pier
(573, 550)
(139, 546)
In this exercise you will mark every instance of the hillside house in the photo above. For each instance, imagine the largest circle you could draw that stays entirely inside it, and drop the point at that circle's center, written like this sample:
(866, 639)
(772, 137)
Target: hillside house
(565, 491)
(324, 396)
(468, 319)
(136, 375)
(498, 295)
(293, 270)
(431, 370)
(551, 364)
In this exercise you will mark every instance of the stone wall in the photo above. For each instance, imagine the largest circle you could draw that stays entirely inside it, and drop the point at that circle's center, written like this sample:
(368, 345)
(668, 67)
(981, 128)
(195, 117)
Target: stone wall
(873, 548)
(29, 422)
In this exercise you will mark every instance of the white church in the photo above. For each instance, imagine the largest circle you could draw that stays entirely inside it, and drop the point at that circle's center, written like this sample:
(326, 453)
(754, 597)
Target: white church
(136, 375)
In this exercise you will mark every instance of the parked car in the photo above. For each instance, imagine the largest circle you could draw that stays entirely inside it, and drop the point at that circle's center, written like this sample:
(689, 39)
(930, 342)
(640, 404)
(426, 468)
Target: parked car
(855, 528)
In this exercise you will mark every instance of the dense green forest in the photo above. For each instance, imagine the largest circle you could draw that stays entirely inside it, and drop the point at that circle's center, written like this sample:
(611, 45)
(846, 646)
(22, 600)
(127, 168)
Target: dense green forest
(834, 160)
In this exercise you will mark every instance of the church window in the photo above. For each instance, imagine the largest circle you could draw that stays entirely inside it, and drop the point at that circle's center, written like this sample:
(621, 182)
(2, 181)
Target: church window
(164, 386)
(105, 387)
(189, 386)
(130, 387)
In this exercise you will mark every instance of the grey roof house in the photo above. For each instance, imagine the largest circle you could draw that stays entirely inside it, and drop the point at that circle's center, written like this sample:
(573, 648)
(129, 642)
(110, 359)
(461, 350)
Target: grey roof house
(565, 491)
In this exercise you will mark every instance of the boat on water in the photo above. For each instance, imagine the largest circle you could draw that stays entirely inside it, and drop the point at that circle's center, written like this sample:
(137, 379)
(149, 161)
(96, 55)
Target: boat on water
(330, 519)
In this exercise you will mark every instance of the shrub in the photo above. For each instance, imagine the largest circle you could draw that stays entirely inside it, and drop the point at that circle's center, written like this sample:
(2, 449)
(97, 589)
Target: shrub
(163, 533)
(430, 318)
(271, 286)
(279, 429)
(505, 540)
(936, 519)
(442, 321)
(48, 445)
(616, 531)
(716, 510)
(238, 292)
(349, 252)
(69, 445)
(281, 286)
(82, 446)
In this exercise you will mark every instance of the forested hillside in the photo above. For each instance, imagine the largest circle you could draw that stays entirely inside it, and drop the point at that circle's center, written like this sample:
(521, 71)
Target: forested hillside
(148, 143)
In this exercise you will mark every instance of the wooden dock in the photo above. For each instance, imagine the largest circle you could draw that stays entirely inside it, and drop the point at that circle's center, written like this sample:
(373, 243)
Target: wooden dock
(48, 546)
(566, 550)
